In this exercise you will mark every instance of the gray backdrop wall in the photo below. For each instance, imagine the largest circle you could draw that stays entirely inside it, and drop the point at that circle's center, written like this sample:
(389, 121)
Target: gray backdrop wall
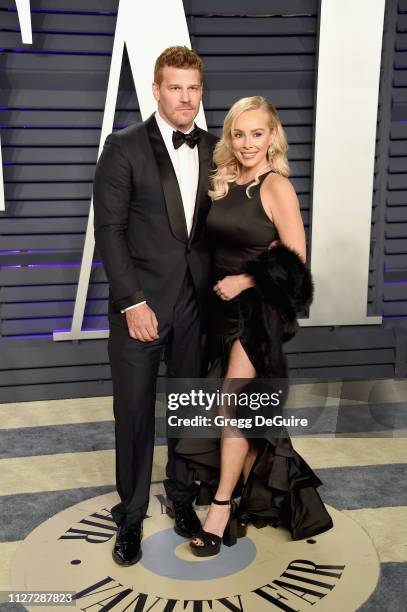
(52, 97)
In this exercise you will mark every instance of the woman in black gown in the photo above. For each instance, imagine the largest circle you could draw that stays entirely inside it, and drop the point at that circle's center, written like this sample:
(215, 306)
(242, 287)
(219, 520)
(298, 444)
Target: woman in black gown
(260, 282)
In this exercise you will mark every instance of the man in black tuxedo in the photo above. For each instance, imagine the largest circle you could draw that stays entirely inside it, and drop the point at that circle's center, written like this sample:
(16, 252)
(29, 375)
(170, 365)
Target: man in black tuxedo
(150, 204)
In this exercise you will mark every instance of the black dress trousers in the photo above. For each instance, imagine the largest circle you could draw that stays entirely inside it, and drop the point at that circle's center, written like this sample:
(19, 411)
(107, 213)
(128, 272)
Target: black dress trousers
(134, 366)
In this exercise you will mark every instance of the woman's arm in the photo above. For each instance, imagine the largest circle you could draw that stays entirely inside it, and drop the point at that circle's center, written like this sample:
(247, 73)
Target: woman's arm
(281, 204)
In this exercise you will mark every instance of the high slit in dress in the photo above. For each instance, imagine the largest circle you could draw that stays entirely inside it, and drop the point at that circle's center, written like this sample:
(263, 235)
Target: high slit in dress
(281, 488)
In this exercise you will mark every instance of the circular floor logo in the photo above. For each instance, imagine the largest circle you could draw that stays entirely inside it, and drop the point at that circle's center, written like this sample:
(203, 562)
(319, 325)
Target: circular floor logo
(266, 571)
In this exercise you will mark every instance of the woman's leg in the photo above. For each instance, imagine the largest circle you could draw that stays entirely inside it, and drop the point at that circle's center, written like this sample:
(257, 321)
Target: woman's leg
(234, 451)
(248, 462)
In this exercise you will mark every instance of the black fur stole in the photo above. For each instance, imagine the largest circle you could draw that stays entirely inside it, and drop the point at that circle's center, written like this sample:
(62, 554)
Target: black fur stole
(284, 287)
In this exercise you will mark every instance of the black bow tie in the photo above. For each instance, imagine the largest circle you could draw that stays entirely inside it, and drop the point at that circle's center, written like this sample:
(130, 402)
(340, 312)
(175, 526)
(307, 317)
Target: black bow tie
(192, 138)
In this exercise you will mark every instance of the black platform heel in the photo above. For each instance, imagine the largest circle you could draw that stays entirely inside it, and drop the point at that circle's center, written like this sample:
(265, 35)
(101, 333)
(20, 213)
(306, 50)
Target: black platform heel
(241, 527)
(243, 519)
(211, 541)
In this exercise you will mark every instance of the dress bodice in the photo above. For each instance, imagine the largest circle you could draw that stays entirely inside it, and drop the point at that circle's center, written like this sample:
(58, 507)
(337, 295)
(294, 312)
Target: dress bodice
(239, 228)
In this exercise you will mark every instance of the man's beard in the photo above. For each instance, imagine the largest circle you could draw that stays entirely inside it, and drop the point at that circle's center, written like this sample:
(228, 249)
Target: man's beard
(184, 123)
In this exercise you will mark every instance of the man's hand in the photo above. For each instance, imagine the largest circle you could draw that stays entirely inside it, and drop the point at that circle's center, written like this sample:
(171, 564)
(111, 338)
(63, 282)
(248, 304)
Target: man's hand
(142, 323)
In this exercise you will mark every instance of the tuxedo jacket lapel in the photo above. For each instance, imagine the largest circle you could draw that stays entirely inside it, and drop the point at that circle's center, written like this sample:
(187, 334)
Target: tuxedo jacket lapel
(203, 185)
(169, 181)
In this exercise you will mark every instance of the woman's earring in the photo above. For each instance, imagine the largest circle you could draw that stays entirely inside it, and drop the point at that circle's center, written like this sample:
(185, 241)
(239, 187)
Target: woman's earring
(271, 151)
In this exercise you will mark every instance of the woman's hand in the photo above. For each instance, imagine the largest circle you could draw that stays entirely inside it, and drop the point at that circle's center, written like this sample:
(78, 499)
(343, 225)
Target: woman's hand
(231, 286)
(273, 244)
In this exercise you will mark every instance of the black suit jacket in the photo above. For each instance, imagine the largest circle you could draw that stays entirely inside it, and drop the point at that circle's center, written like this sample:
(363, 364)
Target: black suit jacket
(139, 222)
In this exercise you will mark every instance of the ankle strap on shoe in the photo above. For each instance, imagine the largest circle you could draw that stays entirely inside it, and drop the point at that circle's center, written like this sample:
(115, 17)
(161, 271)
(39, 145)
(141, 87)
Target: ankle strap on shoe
(224, 502)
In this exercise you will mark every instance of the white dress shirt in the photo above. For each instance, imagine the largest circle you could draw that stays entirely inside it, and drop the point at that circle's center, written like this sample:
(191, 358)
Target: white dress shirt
(186, 165)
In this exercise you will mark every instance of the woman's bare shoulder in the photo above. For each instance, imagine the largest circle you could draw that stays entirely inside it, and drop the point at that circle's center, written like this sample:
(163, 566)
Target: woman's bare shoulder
(278, 183)
(280, 190)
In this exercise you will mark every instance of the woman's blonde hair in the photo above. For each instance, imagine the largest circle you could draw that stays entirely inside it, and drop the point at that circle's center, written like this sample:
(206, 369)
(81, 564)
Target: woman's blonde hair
(228, 168)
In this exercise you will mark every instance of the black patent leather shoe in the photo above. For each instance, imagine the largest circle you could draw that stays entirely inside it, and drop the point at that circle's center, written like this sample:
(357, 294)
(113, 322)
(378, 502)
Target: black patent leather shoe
(127, 549)
(187, 523)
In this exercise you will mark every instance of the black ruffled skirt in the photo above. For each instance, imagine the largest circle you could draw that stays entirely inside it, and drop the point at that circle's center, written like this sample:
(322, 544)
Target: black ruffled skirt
(281, 489)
